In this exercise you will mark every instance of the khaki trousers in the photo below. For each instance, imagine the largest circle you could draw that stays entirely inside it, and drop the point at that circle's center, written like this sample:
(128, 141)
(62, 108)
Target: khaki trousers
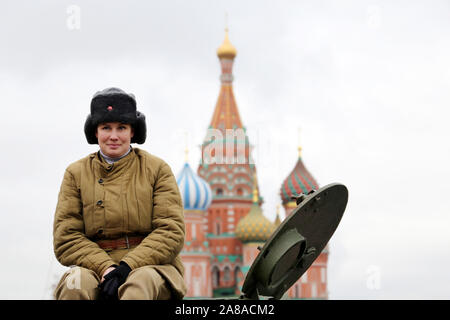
(143, 283)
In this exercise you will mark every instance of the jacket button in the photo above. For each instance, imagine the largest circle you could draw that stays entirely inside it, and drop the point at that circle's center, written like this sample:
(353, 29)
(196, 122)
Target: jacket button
(100, 180)
(99, 202)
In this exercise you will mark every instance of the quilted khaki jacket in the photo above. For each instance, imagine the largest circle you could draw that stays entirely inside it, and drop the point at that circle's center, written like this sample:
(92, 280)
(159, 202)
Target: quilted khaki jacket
(136, 195)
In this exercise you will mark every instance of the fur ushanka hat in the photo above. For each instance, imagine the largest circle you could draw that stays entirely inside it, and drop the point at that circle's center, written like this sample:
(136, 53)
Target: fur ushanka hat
(115, 105)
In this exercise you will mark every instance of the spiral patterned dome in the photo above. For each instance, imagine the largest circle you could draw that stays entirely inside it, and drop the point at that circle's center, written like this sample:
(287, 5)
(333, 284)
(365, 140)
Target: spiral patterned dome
(195, 191)
(297, 182)
(254, 227)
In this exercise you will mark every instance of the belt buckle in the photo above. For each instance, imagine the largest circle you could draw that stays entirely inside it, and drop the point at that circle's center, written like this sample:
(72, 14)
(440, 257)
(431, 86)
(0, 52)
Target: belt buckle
(127, 242)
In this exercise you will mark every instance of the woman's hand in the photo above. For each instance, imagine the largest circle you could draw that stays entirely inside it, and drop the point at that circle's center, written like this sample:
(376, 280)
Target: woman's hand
(113, 280)
(106, 272)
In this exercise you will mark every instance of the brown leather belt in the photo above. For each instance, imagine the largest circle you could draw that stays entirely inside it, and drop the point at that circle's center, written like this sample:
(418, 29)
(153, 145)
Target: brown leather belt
(120, 243)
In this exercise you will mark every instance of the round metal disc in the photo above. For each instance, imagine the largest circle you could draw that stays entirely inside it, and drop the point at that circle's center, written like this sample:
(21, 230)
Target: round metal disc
(284, 257)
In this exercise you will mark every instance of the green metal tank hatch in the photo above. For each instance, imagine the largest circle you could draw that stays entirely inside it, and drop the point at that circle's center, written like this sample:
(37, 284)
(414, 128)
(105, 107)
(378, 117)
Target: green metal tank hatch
(296, 243)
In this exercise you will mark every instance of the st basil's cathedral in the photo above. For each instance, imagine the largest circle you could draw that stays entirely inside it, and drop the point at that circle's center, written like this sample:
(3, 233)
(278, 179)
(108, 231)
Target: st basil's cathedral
(225, 224)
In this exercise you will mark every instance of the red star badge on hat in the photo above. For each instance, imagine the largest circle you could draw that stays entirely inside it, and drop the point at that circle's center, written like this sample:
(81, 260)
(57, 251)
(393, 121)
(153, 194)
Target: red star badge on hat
(109, 108)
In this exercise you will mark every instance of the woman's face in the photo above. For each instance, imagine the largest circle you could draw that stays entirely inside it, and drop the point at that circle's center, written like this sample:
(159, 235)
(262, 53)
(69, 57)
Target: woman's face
(114, 138)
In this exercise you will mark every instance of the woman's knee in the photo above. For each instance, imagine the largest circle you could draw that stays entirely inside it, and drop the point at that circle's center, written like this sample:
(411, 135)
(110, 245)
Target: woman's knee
(144, 283)
(77, 283)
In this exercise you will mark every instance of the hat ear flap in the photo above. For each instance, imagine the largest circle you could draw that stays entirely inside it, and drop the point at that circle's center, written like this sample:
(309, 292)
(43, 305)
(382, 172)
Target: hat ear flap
(89, 130)
(140, 129)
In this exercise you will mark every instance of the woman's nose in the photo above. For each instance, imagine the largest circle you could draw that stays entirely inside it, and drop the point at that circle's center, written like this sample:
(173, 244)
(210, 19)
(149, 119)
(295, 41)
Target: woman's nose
(113, 135)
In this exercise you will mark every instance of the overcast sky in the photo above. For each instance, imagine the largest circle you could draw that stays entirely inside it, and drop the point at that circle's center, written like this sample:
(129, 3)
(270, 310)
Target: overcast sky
(366, 81)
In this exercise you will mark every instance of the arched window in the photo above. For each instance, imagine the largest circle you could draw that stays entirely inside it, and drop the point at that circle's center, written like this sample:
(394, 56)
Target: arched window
(193, 231)
(215, 276)
(219, 192)
(227, 274)
(240, 192)
(218, 228)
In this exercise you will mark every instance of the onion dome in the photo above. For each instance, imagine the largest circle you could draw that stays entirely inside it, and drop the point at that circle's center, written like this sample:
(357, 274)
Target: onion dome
(195, 191)
(297, 182)
(226, 50)
(254, 227)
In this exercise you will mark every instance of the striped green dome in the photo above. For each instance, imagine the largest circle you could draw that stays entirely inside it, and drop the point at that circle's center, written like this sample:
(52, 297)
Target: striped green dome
(297, 182)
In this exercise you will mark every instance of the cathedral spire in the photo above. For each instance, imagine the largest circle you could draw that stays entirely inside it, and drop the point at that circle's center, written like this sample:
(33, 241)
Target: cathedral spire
(226, 114)
(226, 161)
(299, 148)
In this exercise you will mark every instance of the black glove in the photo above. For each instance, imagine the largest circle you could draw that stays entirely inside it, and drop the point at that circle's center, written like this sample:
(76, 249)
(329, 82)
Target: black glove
(113, 280)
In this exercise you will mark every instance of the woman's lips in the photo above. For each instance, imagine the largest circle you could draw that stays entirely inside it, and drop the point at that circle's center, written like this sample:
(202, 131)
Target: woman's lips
(114, 146)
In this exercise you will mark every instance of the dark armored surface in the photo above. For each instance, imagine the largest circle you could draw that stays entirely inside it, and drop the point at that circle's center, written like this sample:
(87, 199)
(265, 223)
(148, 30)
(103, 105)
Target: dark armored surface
(296, 243)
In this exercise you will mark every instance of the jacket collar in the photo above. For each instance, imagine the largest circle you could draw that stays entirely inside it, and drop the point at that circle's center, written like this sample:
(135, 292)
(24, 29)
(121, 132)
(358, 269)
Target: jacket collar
(115, 168)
